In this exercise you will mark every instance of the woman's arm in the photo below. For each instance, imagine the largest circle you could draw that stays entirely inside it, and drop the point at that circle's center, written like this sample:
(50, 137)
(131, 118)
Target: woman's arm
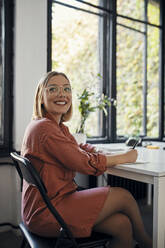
(129, 156)
(88, 147)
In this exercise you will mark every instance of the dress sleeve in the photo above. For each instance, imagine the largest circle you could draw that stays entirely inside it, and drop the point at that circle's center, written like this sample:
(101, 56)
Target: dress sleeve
(88, 147)
(58, 147)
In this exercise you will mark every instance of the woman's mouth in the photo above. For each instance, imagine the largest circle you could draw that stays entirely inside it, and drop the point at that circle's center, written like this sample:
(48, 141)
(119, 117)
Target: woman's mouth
(60, 103)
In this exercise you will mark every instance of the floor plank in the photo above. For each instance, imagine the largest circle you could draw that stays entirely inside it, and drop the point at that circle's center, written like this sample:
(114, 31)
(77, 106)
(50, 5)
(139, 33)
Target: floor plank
(10, 240)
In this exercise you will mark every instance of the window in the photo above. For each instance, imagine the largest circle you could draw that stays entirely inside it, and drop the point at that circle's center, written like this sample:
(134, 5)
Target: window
(122, 41)
(6, 54)
(77, 49)
(137, 71)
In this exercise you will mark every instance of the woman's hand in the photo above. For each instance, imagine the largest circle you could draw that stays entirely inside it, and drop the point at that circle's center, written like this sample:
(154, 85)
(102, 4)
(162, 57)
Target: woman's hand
(129, 156)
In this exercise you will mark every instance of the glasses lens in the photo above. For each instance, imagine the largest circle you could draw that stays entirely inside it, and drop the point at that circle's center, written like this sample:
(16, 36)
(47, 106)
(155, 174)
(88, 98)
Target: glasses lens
(53, 90)
(56, 89)
(67, 89)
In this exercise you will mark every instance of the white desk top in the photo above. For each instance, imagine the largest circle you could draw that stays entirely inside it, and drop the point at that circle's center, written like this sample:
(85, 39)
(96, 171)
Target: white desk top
(154, 159)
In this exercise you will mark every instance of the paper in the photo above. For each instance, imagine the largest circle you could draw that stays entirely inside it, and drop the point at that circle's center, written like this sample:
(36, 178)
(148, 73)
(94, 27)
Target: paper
(139, 162)
(108, 149)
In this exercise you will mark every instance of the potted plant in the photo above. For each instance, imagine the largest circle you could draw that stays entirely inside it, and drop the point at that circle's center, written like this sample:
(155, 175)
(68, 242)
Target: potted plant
(88, 103)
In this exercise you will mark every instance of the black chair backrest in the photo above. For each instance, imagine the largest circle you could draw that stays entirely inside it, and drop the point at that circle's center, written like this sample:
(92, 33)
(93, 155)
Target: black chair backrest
(27, 172)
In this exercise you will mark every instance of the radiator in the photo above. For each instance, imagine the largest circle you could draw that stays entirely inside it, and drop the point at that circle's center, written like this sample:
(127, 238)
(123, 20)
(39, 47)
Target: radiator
(138, 189)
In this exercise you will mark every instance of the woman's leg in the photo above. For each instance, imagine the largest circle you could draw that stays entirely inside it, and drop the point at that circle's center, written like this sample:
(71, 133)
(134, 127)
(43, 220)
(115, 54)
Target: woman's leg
(120, 227)
(120, 200)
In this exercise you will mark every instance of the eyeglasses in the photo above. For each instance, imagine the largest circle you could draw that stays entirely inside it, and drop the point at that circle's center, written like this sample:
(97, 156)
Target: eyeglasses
(55, 89)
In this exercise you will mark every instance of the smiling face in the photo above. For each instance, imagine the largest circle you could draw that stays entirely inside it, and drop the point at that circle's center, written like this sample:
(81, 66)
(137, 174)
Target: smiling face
(57, 97)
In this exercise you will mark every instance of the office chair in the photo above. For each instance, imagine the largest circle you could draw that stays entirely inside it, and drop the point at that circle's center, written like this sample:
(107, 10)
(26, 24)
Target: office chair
(66, 239)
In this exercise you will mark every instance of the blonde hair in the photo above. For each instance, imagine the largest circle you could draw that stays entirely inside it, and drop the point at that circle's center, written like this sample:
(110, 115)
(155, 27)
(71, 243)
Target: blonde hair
(38, 108)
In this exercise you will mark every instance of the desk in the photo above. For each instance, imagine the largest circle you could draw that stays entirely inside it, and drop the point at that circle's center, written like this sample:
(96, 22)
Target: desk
(152, 173)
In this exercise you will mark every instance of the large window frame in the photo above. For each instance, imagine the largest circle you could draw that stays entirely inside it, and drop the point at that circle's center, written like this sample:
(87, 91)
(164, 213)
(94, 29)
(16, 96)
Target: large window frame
(109, 69)
(161, 120)
(7, 24)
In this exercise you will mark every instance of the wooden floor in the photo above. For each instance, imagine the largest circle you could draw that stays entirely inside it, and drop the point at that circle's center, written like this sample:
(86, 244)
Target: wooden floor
(10, 240)
(147, 215)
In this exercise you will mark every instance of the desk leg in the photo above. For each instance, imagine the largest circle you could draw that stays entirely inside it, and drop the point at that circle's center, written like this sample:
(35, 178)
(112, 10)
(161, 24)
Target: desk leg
(158, 213)
(102, 180)
(149, 194)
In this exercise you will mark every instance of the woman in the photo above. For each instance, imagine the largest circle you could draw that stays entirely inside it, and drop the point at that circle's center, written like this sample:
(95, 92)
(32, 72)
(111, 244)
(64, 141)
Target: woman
(57, 156)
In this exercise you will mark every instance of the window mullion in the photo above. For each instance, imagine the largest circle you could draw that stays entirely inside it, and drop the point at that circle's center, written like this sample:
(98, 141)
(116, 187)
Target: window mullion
(112, 71)
(162, 73)
(103, 69)
(49, 35)
(145, 73)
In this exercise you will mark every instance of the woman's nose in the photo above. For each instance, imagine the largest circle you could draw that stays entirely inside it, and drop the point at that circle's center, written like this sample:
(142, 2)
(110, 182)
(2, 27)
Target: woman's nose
(61, 90)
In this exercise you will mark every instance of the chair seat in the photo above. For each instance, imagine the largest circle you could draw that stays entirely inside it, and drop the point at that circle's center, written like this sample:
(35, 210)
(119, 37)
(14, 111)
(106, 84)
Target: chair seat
(95, 240)
(36, 241)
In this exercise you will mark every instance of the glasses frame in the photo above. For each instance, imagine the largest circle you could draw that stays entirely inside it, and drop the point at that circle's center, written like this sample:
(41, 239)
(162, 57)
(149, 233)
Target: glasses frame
(58, 89)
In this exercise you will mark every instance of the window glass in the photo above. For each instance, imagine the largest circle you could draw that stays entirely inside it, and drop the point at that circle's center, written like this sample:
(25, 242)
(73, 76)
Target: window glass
(153, 82)
(77, 52)
(137, 73)
(130, 49)
(153, 12)
(131, 8)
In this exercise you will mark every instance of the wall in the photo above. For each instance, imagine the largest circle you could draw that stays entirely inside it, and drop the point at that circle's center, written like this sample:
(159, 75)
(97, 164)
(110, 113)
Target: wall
(10, 195)
(30, 60)
(30, 63)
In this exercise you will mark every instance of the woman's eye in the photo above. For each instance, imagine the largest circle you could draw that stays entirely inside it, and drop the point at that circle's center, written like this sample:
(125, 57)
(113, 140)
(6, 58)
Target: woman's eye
(53, 89)
(67, 89)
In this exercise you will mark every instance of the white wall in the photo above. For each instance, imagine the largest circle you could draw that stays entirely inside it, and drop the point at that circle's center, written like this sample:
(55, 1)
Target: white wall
(10, 196)
(30, 60)
(30, 63)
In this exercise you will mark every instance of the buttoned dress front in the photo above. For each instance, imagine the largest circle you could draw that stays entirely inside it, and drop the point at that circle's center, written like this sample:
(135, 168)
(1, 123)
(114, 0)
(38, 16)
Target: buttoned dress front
(57, 157)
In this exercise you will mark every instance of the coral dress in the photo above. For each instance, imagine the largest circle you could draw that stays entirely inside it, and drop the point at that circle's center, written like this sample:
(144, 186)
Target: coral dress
(57, 156)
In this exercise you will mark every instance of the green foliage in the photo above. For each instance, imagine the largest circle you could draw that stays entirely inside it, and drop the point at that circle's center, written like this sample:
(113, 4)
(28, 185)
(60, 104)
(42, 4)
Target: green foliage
(86, 106)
